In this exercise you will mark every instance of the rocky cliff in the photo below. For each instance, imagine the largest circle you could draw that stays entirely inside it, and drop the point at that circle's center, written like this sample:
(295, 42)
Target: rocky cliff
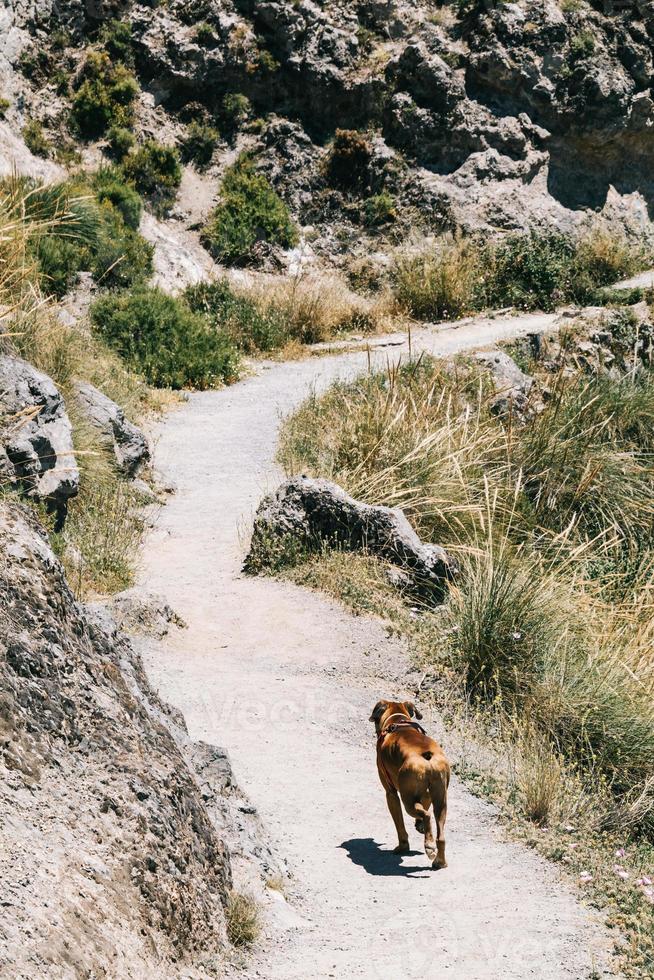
(110, 865)
(478, 114)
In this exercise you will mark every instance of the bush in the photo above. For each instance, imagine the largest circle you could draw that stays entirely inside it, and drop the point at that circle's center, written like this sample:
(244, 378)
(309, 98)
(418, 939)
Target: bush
(161, 338)
(199, 143)
(348, 162)
(250, 328)
(116, 37)
(104, 97)
(98, 234)
(120, 140)
(379, 210)
(250, 212)
(243, 919)
(205, 35)
(4, 105)
(35, 139)
(155, 171)
(441, 282)
(236, 109)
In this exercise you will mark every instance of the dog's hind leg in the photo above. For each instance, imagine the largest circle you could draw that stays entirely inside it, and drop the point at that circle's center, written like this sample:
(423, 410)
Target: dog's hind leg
(439, 796)
(395, 808)
(422, 811)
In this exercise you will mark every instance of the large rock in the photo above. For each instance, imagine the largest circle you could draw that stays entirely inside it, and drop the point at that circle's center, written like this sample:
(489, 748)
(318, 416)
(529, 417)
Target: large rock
(110, 864)
(311, 513)
(36, 434)
(129, 444)
(512, 385)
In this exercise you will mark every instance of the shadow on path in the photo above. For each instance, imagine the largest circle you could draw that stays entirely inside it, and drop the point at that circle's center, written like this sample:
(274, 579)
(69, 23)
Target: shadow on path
(368, 854)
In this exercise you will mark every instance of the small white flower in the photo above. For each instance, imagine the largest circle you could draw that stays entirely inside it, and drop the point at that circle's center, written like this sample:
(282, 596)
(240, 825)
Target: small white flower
(585, 876)
(621, 873)
(620, 853)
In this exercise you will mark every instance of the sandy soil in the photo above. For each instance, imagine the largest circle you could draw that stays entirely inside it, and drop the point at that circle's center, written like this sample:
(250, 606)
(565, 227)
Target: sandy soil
(285, 680)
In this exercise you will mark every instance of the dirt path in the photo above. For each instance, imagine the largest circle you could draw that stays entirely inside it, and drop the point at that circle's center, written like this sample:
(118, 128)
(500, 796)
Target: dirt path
(285, 680)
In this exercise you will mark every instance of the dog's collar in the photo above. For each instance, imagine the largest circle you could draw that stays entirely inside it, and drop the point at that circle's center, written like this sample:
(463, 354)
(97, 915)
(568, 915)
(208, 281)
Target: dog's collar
(405, 722)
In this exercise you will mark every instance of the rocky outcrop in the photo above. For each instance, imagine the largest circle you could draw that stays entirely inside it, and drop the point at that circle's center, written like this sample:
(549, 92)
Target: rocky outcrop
(36, 440)
(309, 514)
(512, 385)
(110, 865)
(129, 444)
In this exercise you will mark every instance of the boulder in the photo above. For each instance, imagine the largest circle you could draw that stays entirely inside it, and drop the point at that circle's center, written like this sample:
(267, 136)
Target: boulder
(310, 513)
(512, 386)
(36, 435)
(130, 445)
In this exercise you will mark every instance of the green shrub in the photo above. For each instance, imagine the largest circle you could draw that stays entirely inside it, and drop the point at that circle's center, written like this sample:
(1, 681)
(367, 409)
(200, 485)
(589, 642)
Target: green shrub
(379, 210)
(120, 141)
(199, 143)
(164, 340)
(104, 97)
(61, 81)
(35, 139)
(95, 231)
(582, 45)
(116, 37)
(4, 105)
(155, 171)
(109, 186)
(205, 35)
(348, 162)
(250, 211)
(251, 328)
(236, 109)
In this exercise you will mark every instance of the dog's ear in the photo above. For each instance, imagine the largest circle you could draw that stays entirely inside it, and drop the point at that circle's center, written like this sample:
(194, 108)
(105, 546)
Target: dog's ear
(413, 711)
(378, 710)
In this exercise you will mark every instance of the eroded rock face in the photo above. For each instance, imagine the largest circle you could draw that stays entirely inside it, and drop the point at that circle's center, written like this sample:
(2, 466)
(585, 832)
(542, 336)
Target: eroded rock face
(109, 863)
(310, 513)
(36, 434)
(130, 445)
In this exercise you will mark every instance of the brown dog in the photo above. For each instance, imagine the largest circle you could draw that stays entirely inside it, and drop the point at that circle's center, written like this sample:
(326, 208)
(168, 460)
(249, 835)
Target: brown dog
(413, 765)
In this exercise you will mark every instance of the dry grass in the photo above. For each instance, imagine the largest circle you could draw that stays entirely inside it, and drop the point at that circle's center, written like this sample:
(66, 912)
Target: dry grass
(318, 308)
(243, 917)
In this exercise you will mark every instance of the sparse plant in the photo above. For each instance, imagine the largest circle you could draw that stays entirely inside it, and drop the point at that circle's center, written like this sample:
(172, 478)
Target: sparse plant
(116, 38)
(4, 105)
(236, 109)
(35, 138)
(205, 35)
(243, 919)
(250, 211)
(379, 210)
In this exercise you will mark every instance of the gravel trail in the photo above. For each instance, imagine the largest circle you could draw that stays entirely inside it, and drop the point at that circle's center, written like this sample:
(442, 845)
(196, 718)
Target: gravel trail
(285, 679)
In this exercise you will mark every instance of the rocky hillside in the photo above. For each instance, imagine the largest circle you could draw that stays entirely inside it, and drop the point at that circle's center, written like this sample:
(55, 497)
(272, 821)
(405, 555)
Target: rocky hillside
(474, 114)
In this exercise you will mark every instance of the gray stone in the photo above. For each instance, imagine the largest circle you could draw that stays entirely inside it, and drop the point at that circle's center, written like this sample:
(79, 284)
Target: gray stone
(313, 513)
(512, 385)
(129, 443)
(36, 435)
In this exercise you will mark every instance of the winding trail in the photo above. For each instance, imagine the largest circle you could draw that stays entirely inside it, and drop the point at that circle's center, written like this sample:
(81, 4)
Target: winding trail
(285, 680)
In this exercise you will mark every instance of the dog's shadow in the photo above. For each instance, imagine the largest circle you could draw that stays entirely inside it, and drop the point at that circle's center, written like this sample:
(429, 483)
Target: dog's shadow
(368, 854)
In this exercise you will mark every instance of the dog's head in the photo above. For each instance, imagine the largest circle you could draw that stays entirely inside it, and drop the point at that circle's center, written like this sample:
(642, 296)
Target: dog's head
(384, 709)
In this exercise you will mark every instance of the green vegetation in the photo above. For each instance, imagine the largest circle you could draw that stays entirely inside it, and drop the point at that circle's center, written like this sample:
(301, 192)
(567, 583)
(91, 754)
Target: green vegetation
(250, 212)
(379, 210)
(105, 94)
(250, 327)
(120, 141)
(4, 105)
(236, 109)
(103, 528)
(457, 276)
(161, 338)
(94, 228)
(155, 171)
(116, 38)
(199, 143)
(205, 35)
(582, 45)
(35, 139)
